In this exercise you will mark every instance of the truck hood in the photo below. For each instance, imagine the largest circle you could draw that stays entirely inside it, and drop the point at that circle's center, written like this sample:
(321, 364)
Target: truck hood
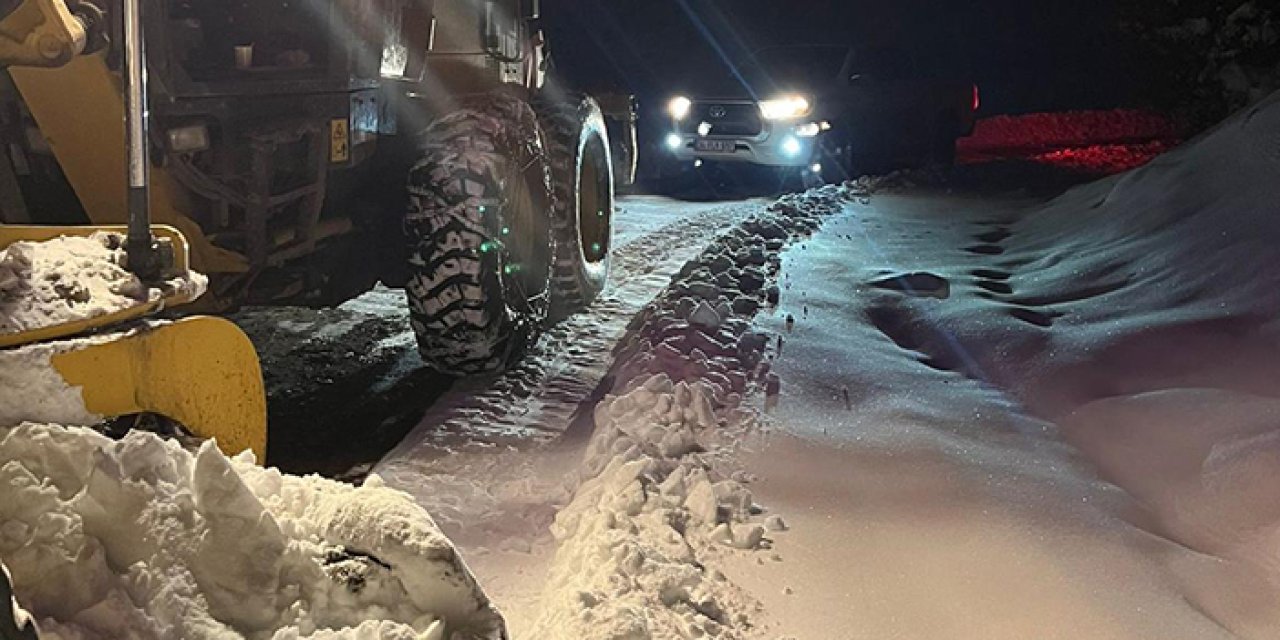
(745, 86)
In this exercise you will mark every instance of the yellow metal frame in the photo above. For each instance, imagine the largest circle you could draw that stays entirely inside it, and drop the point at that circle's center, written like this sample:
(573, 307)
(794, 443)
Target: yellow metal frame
(40, 33)
(201, 371)
(79, 110)
(10, 234)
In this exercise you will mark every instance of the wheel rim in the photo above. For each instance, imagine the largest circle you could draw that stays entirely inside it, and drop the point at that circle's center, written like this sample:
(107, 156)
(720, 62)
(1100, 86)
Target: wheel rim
(595, 203)
(525, 237)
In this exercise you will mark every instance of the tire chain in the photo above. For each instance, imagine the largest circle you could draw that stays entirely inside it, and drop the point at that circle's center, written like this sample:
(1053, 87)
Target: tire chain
(468, 316)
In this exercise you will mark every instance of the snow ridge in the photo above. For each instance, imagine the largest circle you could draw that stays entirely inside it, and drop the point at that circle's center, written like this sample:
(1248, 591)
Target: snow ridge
(656, 502)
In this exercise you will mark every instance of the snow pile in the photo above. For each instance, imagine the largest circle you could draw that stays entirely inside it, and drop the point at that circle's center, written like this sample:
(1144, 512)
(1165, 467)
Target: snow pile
(1162, 285)
(31, 389)
(1104, 159)
(139, 538)
(72, 278)
(656, 503)
(632, 560)
(1043, 131)
(1087, 143)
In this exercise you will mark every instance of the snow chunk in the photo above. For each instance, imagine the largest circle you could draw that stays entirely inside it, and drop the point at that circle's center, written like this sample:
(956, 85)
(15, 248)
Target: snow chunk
(705, 317)
(32, 390)
(140, 538)
(70, 278)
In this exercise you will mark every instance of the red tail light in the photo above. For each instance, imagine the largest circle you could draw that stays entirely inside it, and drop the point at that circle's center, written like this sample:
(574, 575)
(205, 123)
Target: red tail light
(977, 98)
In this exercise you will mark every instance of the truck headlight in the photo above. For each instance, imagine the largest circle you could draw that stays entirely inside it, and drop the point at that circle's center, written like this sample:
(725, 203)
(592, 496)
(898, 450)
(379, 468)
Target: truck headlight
(679, 107)
(785, 108)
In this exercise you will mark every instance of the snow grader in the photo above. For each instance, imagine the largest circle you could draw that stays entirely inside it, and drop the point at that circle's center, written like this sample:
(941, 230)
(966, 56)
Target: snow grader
(300, 152)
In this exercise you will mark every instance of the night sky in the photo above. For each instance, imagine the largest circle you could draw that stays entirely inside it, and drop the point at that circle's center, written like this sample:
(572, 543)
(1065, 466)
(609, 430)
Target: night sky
(1028, 55)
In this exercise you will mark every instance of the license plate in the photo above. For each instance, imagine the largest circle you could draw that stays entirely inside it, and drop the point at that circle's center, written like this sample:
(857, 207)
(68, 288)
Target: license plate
(714, 146)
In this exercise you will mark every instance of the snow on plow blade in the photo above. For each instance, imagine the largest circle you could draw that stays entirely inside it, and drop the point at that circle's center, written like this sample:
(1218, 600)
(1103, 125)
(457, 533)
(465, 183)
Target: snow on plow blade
(10, 234)
(202, 372)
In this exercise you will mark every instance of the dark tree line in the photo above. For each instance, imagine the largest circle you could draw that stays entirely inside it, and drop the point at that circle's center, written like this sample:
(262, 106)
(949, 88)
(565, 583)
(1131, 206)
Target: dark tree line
(1212, 56)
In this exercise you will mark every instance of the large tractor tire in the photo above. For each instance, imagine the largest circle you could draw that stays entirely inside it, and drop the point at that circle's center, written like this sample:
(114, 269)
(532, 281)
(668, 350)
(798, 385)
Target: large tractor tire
(480, 241)
(582, 207)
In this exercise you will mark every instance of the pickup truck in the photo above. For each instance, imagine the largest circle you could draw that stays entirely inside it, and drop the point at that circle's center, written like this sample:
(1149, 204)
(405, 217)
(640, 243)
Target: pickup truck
(827, 111)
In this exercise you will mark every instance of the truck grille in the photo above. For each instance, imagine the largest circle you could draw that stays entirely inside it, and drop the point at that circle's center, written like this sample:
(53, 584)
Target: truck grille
(725, 119)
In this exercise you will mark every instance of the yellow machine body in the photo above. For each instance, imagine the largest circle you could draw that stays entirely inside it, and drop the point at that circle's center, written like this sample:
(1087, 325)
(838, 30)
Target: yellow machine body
(201, 372)
(87, 138)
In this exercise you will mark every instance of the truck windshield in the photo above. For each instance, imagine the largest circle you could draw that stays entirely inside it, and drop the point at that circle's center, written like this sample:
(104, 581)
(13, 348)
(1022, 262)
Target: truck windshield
(806, 64)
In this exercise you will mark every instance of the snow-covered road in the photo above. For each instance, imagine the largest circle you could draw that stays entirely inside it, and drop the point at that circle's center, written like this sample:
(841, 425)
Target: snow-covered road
(957, 512)
(1014, 420)
(998, 418)
(355, 369)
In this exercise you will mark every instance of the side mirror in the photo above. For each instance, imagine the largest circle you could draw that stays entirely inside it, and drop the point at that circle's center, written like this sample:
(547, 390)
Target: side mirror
(861, 78)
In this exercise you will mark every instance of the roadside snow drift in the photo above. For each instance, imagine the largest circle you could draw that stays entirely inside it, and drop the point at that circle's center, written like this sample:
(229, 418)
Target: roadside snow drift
(1078, 436)
(1160, 290)
(139, 538)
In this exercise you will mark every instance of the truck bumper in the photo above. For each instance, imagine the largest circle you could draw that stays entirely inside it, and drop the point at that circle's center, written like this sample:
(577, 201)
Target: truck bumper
(776, 146)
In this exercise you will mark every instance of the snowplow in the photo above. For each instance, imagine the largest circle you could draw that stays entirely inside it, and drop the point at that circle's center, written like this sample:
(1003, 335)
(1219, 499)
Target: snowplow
(201, 372)
(74, 336)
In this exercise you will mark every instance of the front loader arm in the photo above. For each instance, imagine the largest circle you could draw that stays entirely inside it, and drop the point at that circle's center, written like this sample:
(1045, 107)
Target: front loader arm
(40, 33)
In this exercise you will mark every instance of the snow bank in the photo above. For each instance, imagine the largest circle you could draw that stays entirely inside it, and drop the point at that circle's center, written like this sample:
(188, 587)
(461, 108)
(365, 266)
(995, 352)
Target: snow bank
(1138, 315)
(31, 389)
(656, 502)
(139, 538)
(631, 562)
(73, 278)
(1042, 131)
(1148, 289)
(1173, 254)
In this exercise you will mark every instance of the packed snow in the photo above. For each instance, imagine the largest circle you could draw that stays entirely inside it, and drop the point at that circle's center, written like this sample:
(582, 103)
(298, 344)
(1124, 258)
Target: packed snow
(31, 389)
(72, 278)
(139, 538)
(1075, 438)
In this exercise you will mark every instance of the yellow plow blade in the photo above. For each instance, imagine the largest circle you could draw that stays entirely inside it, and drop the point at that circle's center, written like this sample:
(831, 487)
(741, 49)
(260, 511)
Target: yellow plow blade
(202, 372)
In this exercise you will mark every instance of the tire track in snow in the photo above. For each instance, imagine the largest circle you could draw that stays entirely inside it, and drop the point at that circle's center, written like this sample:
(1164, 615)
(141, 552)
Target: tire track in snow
(536, 401)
